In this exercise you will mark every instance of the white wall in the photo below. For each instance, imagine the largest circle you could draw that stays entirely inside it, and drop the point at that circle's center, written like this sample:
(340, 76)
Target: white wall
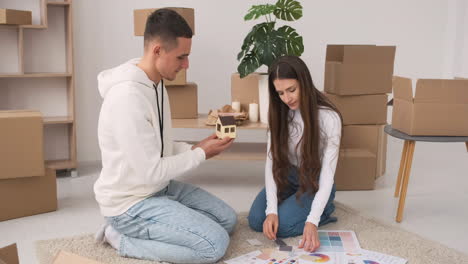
(421, 30)
(460, 63)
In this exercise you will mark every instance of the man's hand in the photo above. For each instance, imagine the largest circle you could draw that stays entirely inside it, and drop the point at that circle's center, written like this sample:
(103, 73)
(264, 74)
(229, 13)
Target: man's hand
(270, 226)
(212, 145)
(310, 239)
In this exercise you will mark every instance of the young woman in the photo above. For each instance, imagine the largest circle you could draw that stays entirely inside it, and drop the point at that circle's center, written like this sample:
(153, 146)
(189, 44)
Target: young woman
(302, 153)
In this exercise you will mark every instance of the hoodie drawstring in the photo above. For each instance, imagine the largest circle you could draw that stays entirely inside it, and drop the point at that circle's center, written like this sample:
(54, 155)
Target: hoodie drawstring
(160, 114)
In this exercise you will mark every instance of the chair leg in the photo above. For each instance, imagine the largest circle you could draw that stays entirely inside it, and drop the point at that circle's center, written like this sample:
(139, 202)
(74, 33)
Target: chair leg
(404, 154)
(466, 143)
(404, 187)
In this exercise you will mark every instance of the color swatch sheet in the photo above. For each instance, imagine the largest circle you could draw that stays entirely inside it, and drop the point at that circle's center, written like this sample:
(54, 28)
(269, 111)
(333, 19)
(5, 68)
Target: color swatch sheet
(338, 241)
(297, 256)
(337, 247)
(372, 257)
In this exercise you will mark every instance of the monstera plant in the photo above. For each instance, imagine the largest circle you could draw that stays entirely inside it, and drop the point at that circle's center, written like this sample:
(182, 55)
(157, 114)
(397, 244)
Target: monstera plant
(265, 42)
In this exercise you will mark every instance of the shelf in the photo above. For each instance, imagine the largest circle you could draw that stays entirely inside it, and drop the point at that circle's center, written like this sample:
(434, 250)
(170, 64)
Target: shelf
(51, 120)
(58, 3)
(8, 26)
(35, 75)
(200, 123)
(33, 26)
(60, 164)
(23, 26)
(47, 87)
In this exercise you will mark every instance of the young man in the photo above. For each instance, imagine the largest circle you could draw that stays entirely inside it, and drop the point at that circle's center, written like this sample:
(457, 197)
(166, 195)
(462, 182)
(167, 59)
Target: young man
(149, 215)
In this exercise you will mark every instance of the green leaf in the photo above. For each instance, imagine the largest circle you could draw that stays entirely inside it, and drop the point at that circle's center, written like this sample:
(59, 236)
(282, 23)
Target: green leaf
(248, 42)
(291, 43)
(249, 64)
(262, 39)
(266, 43)
(257, 11)
(288, 10)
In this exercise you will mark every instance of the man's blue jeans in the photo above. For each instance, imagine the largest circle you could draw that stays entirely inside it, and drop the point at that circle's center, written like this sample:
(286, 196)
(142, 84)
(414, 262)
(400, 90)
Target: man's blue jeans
(291, 213)
(180, 224)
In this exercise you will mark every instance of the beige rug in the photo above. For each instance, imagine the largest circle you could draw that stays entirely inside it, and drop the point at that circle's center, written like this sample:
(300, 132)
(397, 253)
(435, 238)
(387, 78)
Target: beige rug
(371, 234)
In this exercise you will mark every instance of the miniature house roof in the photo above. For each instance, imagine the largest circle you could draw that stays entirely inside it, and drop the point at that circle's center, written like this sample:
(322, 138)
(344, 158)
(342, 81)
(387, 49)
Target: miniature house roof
(227, 120)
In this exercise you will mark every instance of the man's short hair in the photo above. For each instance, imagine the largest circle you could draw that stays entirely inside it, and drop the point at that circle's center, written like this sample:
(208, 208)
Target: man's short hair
(166, 25)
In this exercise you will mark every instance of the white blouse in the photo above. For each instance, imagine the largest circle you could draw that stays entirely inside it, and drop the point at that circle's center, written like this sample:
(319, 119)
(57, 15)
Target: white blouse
(330, 125)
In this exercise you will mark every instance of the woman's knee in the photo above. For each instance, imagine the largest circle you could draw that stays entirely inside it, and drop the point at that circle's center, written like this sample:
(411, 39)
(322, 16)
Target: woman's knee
(290, 229)
(256, 220)
(257, 212)
(290, 224)
(257, 215)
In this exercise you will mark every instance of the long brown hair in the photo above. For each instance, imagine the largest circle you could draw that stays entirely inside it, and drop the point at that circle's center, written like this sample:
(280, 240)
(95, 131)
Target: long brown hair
(310, 100)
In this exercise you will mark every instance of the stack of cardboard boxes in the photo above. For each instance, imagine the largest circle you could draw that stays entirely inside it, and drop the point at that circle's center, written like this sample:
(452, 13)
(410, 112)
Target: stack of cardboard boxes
(26, 187)
(183, 95)
(357, 80)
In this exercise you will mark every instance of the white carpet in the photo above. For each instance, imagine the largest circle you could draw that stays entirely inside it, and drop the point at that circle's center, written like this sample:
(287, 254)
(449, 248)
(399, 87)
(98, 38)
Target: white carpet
(372, 235)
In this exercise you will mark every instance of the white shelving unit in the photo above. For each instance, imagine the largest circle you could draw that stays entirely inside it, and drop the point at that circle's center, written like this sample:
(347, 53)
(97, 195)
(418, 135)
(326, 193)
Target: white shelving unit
(36, 72)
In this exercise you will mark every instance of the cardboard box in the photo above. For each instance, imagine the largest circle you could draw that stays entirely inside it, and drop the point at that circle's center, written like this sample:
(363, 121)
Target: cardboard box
(64, 257)
(9, 255)
(28, 196)
(183, 100)
(245, 90)
(359, 69)
(15, 17)
(21, 141)
(140, 16)
(370, 137)
(355, 170)
(361, 109)
(439, 108)
(181, 79)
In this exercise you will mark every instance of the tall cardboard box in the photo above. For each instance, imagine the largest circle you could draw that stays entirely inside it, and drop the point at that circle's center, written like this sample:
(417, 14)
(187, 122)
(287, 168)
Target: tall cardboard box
(370, 137)
(359, 69)
(355, 170)
(181, 79)
(9, 255)
(28, 196)
(183, 100)
(140, 16)
(361, 109)
(21, 141)
(245, 90)
(439, 107)
(15, 17)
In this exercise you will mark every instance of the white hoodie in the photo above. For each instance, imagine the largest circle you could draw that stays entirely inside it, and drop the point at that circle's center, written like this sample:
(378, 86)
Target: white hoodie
(129, 138)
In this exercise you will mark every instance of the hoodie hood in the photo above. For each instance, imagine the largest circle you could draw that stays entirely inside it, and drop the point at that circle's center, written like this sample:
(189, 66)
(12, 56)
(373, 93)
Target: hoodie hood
(127, 72)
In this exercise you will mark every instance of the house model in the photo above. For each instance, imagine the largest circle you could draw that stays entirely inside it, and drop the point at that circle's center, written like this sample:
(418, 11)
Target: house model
(226, 127)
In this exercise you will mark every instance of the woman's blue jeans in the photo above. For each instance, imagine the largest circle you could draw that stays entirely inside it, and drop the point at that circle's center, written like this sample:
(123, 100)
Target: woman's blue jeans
(180, 224)
(291, 213)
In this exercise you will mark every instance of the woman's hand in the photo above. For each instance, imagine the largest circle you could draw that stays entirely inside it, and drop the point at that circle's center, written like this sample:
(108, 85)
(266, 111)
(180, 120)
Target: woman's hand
(270, 226)
(310, 239)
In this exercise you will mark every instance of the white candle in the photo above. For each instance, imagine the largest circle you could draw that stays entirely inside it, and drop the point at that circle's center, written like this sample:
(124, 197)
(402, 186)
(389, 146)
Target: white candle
(236, 106)
(253, 112)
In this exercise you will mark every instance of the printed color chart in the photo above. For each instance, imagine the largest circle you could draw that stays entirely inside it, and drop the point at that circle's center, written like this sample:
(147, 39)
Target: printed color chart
(338, 241)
